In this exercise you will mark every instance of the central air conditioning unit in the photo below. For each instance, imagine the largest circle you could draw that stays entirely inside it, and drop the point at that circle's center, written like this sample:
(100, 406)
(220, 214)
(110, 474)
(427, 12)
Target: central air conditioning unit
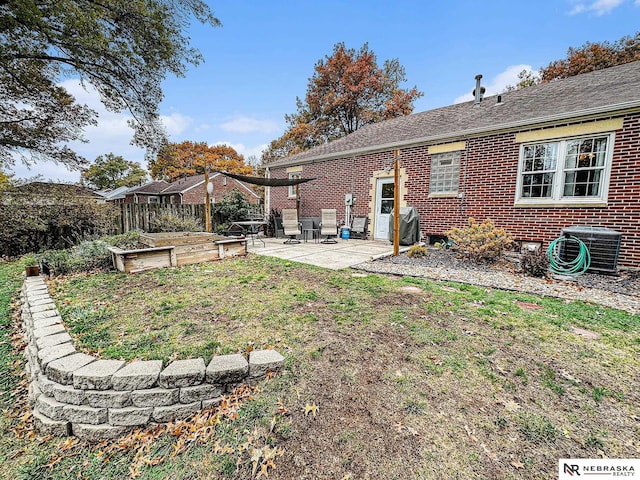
(603, 244)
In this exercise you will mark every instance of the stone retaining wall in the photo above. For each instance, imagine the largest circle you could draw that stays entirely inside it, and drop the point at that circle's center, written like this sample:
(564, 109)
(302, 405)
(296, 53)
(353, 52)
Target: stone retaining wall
(73, 393)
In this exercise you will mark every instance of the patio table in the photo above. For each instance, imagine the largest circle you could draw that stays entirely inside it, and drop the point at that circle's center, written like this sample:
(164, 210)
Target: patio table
(251, 228)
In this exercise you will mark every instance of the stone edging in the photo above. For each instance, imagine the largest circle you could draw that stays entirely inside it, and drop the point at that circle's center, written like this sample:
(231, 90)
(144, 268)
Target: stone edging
(73, 393)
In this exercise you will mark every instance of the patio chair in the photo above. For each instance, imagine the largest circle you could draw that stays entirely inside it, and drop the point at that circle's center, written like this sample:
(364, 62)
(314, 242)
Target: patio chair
(291, 225)
(329, 226)
(360, 227)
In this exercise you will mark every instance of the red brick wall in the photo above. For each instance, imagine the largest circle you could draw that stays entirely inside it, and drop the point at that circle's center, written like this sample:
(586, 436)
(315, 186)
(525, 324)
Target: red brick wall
(488, 178)
(220, 189)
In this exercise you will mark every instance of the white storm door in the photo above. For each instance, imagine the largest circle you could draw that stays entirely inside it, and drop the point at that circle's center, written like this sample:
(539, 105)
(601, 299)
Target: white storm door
(384, 208)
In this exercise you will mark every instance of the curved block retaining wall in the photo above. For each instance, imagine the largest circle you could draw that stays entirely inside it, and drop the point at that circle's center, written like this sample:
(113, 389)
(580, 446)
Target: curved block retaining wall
(73, 393)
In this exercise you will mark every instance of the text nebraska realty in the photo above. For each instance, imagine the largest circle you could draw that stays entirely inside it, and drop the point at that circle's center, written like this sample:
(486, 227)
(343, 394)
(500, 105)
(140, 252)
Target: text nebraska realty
(612, 470)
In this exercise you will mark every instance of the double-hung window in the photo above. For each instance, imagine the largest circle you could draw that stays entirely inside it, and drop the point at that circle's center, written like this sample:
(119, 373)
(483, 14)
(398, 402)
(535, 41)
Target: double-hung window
(445, 173)
(573, 171)
(292, 188)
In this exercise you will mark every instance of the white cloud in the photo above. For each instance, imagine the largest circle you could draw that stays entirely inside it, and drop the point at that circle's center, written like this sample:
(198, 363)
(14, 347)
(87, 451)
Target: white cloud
(497, 84)
(244, 124)
(112, 134)
(47, 170)
(109, 123)
(599, 7)
(246, 151)
(176, 123)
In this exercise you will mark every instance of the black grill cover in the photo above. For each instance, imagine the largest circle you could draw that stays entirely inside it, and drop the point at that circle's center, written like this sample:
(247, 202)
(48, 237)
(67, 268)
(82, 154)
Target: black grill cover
(409, 226)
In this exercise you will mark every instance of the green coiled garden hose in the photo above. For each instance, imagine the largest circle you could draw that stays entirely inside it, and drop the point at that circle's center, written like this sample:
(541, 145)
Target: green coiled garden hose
(574, 267)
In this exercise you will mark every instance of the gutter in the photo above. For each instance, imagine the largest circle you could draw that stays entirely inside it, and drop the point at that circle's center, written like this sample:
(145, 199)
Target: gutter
(617, 109)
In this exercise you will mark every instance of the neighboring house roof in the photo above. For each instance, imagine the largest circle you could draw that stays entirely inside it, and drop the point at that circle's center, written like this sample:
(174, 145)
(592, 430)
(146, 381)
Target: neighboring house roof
(56, 189)
(184, 184)
(150, 188)
(119, 192)
(582, 96)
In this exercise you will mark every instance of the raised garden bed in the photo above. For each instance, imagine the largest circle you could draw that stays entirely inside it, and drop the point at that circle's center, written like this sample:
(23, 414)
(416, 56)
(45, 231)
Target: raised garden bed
(159, 250)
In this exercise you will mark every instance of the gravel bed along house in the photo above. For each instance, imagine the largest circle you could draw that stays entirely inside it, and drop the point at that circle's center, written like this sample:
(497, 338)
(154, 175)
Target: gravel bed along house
(621, 292)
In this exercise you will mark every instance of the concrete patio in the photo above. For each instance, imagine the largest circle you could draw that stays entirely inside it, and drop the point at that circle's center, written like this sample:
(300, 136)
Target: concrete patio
(335, 256)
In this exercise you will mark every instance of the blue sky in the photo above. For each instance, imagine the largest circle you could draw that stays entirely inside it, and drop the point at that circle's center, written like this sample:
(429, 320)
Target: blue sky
(260, 60)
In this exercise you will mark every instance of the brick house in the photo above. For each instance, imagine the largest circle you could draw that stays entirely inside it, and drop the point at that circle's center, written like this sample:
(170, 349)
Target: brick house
(147, 193)
(192, 190)
(186, 191)
(535, 161)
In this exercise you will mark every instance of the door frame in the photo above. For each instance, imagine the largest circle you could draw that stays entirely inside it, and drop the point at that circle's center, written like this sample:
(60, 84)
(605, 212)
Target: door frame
(384, 175)
(378, 200)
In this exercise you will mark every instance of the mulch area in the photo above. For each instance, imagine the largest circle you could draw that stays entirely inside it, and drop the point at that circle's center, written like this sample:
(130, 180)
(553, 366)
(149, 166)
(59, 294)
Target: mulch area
(617, 291)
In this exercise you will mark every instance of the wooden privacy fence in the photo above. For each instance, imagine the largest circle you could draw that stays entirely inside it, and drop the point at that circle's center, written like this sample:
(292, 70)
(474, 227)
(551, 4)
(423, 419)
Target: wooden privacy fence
(138, 216)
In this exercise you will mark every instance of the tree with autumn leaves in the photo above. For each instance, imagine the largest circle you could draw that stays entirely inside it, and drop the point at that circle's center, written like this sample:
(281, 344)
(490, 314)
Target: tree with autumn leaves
(178, 160)
(123, 48)
(347, 91)
(584, 59)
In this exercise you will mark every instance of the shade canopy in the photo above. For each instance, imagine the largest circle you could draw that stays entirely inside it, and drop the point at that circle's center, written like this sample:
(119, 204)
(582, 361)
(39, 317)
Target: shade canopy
(267, 182)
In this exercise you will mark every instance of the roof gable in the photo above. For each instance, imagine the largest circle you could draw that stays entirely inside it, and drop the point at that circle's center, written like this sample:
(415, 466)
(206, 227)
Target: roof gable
(183, 184)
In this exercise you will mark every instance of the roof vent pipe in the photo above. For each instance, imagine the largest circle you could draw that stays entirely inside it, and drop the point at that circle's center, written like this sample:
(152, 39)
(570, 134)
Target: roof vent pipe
(478, 91)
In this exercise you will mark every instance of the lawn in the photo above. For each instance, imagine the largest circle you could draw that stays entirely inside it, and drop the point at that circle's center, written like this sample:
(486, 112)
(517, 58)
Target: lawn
(386, 377)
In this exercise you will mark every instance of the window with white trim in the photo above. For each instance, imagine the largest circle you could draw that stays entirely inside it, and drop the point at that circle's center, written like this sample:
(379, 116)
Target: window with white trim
(445, 173)
(292, 188)
(574, 170)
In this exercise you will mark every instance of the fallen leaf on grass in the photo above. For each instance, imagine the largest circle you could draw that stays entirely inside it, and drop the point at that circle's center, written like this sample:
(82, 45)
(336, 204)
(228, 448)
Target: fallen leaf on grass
(256, 455)
(282, 410)
(310, 409)
(412, 431)
(400, 427)
(472, 436)
(489, 453)
(509, 405)
(272, 424)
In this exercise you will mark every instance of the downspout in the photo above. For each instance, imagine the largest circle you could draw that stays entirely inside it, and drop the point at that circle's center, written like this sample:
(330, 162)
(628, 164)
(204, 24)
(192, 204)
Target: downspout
(267, 193)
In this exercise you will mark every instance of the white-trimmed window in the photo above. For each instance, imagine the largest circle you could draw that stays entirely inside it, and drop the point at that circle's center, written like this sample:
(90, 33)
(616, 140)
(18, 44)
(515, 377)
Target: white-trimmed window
(569, 171)
(292, 188)
(445, 173)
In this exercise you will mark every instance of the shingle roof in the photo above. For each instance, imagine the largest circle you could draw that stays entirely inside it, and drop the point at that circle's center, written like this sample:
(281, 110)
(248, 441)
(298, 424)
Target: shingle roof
(612, 89)
(150, 188)
(183, 184)
(52, 188)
